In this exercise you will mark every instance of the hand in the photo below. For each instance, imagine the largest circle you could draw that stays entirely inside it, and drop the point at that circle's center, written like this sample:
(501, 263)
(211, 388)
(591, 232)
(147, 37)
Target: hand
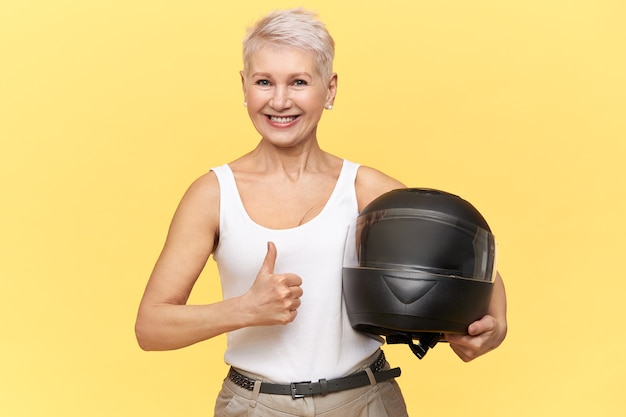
(483, 336)
(272, 298)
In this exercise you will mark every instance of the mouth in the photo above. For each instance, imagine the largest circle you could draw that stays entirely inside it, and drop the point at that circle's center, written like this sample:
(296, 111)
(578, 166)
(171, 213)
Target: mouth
(282, 120)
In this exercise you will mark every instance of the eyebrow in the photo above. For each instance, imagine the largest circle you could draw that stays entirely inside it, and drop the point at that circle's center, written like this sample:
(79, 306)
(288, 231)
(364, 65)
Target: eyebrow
(294, 75)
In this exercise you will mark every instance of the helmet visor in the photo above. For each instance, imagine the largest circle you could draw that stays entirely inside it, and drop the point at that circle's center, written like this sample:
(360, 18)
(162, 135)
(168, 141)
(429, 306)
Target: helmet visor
(421, 240)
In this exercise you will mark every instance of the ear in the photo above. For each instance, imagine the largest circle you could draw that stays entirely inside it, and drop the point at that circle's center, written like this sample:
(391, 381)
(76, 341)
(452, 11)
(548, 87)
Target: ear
(243, 83)
(332, 90)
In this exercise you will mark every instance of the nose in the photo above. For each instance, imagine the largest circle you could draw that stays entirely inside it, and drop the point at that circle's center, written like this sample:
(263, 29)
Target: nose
(281, 98)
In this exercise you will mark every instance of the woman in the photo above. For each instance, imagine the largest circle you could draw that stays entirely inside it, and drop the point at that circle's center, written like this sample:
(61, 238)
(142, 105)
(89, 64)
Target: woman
(275, 221)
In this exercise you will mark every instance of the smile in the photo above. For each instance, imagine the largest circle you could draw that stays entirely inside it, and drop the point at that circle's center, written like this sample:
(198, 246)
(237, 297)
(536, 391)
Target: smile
(282, 120)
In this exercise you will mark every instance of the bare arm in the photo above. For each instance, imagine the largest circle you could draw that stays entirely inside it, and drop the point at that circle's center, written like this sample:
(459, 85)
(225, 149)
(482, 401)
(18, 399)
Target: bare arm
(164, 320)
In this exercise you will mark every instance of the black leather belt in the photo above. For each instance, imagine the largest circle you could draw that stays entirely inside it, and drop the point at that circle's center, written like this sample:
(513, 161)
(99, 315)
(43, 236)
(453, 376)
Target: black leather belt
(321, 387)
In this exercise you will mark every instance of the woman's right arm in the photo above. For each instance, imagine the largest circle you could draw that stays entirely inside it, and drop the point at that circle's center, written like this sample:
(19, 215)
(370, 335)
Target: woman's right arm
(165, 321)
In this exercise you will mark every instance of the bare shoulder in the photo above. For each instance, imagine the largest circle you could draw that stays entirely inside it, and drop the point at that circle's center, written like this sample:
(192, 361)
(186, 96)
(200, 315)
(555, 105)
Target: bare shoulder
(198, 211)
(371, 183)
(204, 192)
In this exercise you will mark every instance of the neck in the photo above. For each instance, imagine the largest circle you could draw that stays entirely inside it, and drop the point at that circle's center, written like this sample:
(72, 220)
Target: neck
(292, 161)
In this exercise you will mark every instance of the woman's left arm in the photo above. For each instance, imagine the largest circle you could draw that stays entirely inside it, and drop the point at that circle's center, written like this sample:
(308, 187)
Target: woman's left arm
(487, 333)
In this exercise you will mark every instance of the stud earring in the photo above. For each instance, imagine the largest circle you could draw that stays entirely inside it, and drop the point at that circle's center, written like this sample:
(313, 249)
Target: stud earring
(329, 107)
(245, 104)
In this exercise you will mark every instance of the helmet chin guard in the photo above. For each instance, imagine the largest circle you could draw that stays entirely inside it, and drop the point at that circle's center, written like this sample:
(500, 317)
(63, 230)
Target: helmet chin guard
(418, 263)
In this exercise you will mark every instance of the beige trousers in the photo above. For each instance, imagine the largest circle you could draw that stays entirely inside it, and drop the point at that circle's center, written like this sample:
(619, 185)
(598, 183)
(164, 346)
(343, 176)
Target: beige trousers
(383, 399)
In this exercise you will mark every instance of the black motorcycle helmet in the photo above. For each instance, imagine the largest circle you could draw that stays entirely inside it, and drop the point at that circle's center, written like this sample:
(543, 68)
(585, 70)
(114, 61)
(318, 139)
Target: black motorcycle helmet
(418, 263)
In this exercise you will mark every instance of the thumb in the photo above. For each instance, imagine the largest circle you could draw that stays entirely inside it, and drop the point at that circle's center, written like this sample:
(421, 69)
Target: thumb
(485, 324)
(270, 259)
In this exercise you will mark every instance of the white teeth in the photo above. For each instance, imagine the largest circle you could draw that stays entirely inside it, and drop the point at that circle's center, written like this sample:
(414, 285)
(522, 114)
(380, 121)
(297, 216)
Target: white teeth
(282, 119)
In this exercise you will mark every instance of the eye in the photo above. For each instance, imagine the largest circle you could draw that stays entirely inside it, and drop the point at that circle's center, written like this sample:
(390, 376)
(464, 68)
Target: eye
(300, 83)
(262, 83)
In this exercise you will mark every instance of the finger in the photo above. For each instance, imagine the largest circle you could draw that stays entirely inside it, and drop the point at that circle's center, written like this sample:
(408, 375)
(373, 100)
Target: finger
(270, 259)
(466, 356)
(293, 280)
(451, 338)
(296, 291)
(486, 324)
(295, 304)
(458, 341)
(463, 341)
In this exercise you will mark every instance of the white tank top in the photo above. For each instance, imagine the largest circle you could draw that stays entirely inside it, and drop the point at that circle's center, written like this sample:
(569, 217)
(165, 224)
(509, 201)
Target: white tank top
(319, 343)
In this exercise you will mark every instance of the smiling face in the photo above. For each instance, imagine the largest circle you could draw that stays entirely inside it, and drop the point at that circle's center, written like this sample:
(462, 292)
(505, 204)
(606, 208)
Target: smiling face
(286, 94)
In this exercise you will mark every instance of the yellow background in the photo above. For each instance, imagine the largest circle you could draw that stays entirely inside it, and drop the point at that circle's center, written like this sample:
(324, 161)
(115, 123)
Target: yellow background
(109, 109)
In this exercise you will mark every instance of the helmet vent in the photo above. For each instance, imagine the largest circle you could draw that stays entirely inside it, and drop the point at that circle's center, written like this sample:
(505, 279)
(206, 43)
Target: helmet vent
(425, 191)
(408, 290)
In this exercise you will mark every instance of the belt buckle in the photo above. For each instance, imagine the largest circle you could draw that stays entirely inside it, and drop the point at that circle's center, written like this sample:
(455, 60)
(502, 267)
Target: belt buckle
(293, 389)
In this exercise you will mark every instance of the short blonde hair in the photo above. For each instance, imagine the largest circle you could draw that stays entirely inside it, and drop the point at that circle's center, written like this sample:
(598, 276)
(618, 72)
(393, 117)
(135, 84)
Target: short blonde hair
(298, 28)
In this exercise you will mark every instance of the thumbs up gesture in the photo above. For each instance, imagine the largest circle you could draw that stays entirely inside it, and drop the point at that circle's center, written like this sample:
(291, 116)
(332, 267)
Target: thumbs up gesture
(272, 298)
